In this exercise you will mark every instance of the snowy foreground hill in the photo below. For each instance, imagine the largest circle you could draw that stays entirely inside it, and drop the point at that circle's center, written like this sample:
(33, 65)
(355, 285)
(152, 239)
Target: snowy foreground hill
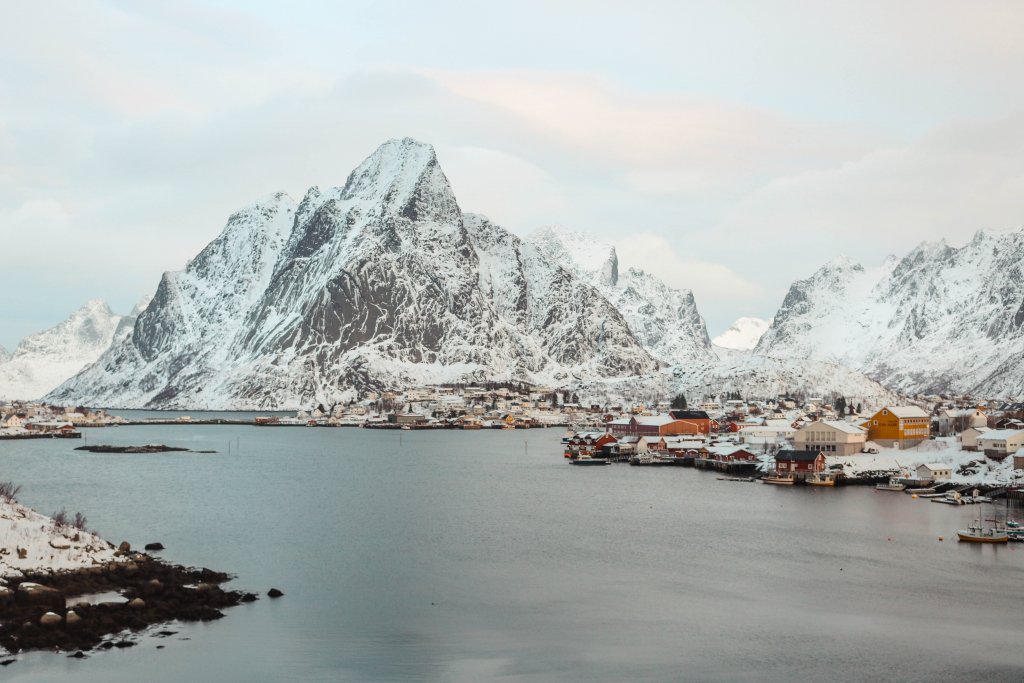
(42, 361)
(385, 283)
(940, 319)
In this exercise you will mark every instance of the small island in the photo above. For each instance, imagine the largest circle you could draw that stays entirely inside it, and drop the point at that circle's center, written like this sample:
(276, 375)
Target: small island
(149, 448)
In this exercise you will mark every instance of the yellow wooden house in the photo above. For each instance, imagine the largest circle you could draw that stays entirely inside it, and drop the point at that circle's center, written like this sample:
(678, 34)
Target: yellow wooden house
(898, 426)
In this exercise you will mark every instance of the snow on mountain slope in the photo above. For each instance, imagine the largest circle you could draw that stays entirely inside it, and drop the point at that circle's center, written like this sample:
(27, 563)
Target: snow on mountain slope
(381, 283)
(665, 320)
(5, 355)
(42, 361)
(743, 334)
(754, 377)
(940, 319)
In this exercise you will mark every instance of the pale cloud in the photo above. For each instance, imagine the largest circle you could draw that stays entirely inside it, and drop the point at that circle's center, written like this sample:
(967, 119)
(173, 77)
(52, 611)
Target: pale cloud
(948, 184)
(495, 183)
(714, 284)
(659, 144)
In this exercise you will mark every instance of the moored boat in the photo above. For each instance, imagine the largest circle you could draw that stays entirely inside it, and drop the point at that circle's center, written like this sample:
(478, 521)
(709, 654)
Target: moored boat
(980, 532)
(778, 479)
(587, 460)
(821, 479)
(977, 532)
(894, 484)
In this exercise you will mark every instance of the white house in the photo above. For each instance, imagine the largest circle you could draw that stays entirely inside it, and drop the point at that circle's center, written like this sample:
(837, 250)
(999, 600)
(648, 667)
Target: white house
(969, 437)
(998, 443)
(934, 471)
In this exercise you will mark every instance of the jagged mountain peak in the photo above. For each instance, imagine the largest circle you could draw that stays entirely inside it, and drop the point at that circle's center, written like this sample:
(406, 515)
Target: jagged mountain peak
(939, 319)
(840, 264)
(663, 318)
(377, 284)
(43, 360)
(403, 176)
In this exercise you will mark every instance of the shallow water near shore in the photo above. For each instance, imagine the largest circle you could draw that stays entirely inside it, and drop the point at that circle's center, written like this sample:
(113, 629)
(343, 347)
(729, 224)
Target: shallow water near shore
(468, 556)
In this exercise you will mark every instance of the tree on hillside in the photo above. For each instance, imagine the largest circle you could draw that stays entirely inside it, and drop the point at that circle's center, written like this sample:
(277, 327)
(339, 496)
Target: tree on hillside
(679, 402)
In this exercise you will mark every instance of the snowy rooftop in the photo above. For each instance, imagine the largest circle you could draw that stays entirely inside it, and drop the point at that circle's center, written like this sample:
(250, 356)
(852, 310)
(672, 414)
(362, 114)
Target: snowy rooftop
(847, 427)
(906, 411)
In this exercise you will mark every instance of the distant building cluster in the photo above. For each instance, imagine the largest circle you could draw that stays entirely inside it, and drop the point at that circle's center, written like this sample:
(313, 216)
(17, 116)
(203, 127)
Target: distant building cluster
(22, 420)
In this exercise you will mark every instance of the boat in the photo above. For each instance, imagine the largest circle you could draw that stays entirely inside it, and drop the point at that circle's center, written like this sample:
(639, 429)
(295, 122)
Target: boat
(920, 492)
(779, 479)
(735, 478)
(649, 460)
(587, 460)
(894, 485)
(978, 532)
(951, 498)
(821, 479)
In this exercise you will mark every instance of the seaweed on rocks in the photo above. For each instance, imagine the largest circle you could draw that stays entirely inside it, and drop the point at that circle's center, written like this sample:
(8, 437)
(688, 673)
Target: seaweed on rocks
(156, 592)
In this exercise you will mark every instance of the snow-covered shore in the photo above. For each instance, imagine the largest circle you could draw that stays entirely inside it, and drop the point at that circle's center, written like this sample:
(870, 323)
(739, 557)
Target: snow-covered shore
(32, 542)
(945, 451)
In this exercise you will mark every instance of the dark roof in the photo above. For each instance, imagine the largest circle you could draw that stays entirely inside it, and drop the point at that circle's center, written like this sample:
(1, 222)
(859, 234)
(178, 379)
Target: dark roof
(797, 455)
(689, 414)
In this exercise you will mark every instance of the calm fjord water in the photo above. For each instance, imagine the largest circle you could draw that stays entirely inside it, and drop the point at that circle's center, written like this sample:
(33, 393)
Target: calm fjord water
(470, 556)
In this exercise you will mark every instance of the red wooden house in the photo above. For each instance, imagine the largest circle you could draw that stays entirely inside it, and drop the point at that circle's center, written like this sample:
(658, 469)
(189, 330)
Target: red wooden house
(800, 461)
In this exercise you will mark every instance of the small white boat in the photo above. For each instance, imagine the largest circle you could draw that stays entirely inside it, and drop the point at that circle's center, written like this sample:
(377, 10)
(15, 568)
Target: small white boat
(894, 485)
(587, 460)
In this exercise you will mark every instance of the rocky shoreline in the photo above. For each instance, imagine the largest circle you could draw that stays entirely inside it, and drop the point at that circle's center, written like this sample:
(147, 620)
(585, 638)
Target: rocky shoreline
(34, 611)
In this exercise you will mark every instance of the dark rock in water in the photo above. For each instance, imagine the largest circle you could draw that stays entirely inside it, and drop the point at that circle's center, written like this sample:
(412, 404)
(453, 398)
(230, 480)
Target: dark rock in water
(124, 643)
(8, 662)
(159, 647)
(274, 593)
(154, 546)
(249, 597)
(103, 448)
(77, 655)
(106, 645)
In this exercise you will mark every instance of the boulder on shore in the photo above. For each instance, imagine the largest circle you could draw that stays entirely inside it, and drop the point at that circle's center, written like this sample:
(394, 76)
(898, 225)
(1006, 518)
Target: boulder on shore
(50, 619)
(37, 594)
(155, 546)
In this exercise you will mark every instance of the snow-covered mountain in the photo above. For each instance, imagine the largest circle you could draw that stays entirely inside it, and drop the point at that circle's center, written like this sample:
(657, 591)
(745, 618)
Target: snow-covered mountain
(742, 335)
(381, 283)
(940, 319)
(42, 361)
(5, 355)
(665, 320)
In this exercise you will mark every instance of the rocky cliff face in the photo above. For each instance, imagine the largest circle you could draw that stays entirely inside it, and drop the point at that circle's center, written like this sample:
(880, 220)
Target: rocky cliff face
(42, 361)
(380, 283)
(665, 320)
(940, 319)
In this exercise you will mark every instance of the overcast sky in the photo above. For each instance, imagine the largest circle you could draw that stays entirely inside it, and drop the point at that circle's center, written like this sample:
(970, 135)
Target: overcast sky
(729, 147)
